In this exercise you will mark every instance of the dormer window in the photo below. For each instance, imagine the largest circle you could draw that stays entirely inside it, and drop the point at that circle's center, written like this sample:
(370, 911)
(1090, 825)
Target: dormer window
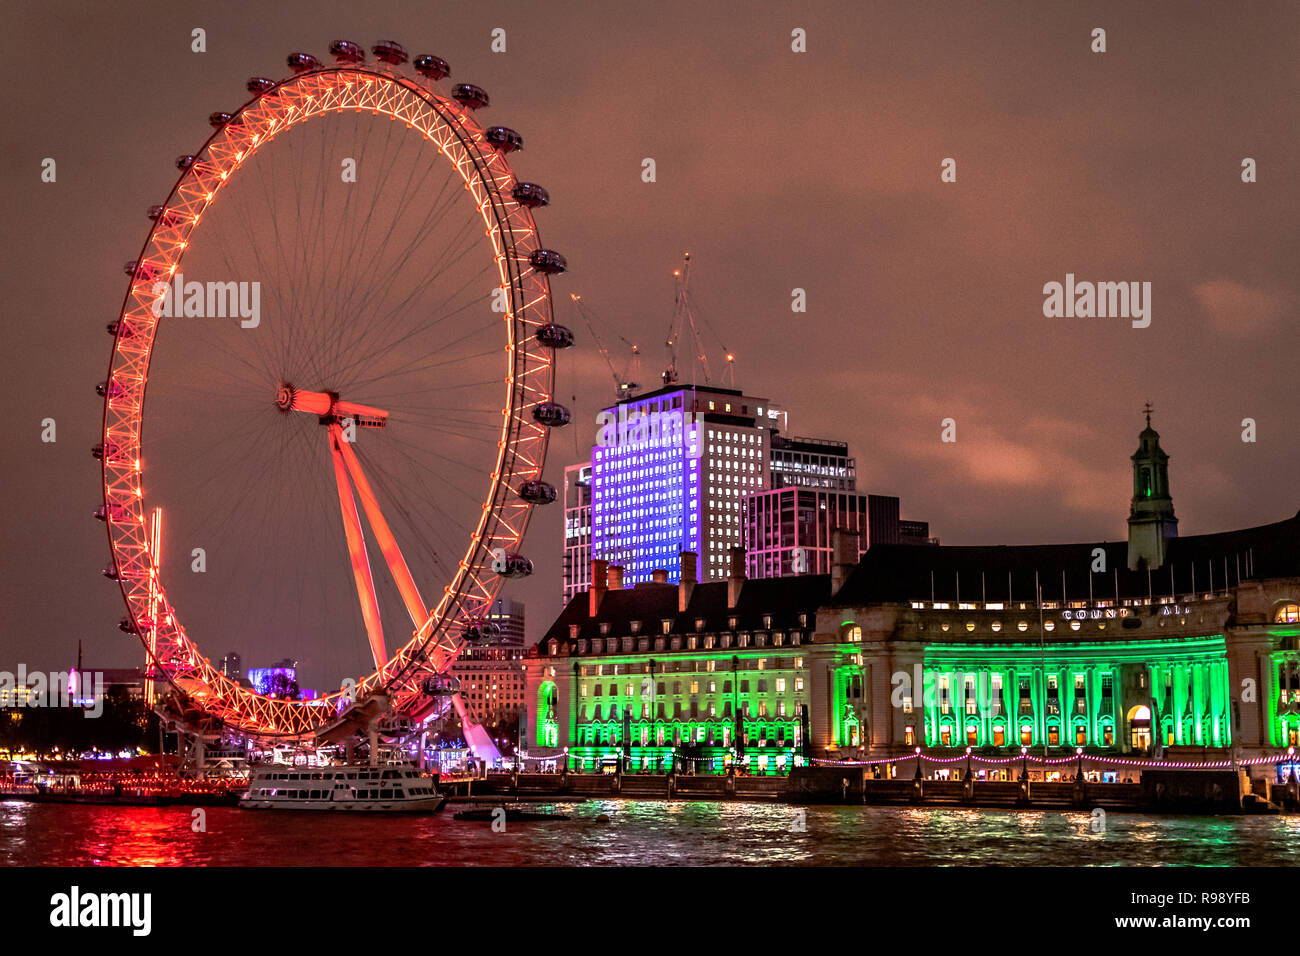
(731, 622)
(604, 628)
(666, 625)
(699, 623)
(573, 632)
(767, 620)
(554, 647)
(636, 627)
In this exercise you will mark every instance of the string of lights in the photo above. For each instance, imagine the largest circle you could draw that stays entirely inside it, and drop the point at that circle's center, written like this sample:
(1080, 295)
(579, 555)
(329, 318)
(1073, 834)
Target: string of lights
(1094, 758)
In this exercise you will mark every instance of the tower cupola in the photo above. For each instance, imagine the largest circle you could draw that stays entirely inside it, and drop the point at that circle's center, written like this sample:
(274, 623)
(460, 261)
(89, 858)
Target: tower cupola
(1151, 520)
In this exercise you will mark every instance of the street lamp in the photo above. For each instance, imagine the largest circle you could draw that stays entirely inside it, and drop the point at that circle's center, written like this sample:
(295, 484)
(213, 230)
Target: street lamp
(1024, 763)
(917, 775)
(1078, 753)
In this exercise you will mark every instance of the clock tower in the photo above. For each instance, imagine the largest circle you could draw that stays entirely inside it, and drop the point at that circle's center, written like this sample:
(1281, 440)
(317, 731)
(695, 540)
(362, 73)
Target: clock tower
(1151, 520)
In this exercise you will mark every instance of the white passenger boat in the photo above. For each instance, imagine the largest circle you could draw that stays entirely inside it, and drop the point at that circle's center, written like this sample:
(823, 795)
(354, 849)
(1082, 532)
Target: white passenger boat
(346, 787)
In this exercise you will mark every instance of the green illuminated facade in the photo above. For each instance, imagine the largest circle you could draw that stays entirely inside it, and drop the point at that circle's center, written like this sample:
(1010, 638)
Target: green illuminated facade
(699, 677)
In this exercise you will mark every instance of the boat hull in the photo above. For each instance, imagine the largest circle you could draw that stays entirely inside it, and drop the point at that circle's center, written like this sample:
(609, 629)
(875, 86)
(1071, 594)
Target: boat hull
(418, 805)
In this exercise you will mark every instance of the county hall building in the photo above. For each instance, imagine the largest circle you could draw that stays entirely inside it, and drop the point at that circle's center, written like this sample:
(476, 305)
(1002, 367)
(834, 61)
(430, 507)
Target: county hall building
(1159, 647)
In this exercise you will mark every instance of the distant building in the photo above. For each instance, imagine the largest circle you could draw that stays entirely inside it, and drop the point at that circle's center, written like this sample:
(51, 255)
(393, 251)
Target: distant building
(491, 674)
(790, 530)
(811, 463)
(232, 666)
(577, 529)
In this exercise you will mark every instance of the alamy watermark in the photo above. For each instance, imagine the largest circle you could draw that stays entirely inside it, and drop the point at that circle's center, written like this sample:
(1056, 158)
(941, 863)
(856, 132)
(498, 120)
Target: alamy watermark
(1102, 300)
(209, 300)
(35, 689)
(665, 429)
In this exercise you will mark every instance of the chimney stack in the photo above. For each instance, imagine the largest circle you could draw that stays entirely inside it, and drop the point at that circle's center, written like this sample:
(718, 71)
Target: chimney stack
(844, 556)
(659, 576)
(598, 585)
(736, 579)
(616, 577)
(686, 583)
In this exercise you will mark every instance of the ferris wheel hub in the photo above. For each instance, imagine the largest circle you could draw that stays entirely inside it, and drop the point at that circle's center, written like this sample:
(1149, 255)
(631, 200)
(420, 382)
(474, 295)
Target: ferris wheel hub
(328, 406)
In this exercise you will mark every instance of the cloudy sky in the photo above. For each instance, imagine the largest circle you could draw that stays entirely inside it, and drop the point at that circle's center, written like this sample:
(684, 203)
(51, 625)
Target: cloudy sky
(777, 170)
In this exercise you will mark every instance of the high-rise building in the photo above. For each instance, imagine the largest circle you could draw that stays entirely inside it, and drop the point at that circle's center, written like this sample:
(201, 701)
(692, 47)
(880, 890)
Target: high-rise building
(577, 529)
(668, 474)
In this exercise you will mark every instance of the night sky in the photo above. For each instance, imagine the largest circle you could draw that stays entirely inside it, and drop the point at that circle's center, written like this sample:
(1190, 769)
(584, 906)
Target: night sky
(776, 170)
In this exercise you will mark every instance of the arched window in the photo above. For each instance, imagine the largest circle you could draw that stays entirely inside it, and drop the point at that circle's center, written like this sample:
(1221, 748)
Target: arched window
(1288, 613)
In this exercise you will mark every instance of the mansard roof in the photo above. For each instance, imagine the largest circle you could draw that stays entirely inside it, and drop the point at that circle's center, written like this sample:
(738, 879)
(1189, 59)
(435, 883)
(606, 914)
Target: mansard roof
(781, 599)
(901, 573)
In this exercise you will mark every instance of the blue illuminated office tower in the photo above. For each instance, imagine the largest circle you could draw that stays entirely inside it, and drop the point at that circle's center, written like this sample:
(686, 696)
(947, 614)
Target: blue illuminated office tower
(668, 474)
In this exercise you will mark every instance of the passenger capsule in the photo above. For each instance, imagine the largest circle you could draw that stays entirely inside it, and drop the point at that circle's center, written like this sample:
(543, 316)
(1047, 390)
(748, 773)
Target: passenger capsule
(219, 119)
(345, 51)
(184, 162)
(530, 195)
(128, 626)
(442, 685)
(164, 216)
(434, 67)
(484, 632)
(108, 390)
(103, 452)
(470, 96)
(551, 414)
(302, 62)
(260, 85)
(537, 492)
(100, 514)
(144, 270)
(515, 566)
(503, 139)
(110, 573)
(390, 51)
(548, 261)
(554, 336)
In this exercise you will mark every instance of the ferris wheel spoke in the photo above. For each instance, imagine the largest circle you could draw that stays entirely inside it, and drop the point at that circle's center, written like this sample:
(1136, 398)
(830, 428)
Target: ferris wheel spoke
(375, 327)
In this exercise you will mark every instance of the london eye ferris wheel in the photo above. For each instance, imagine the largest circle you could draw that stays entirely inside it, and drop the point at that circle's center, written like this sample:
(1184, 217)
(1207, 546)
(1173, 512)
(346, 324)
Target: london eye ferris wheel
(333, 372)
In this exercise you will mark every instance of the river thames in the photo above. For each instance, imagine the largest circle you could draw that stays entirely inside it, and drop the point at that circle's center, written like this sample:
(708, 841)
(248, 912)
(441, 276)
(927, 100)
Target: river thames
(641, 833)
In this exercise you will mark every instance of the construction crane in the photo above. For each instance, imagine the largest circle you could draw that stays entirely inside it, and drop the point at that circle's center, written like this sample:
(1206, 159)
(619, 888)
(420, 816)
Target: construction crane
(624, 385)
(683, 319)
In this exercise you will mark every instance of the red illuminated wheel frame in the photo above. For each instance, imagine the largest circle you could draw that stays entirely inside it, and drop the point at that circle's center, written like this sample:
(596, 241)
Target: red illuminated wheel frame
(522, 270)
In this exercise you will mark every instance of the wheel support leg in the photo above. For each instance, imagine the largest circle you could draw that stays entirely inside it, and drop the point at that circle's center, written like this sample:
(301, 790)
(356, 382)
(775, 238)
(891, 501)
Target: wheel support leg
(357, 550)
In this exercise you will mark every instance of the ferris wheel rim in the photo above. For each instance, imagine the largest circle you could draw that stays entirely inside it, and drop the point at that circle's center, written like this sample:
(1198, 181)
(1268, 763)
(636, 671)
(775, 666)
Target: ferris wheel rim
(521, 448)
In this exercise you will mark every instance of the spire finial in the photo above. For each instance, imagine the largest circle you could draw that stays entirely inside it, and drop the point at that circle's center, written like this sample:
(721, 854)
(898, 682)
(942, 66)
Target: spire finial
(1147, 409)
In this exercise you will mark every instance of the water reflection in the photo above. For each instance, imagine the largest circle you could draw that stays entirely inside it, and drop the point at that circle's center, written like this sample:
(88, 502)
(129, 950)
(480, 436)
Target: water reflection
(643, 833)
